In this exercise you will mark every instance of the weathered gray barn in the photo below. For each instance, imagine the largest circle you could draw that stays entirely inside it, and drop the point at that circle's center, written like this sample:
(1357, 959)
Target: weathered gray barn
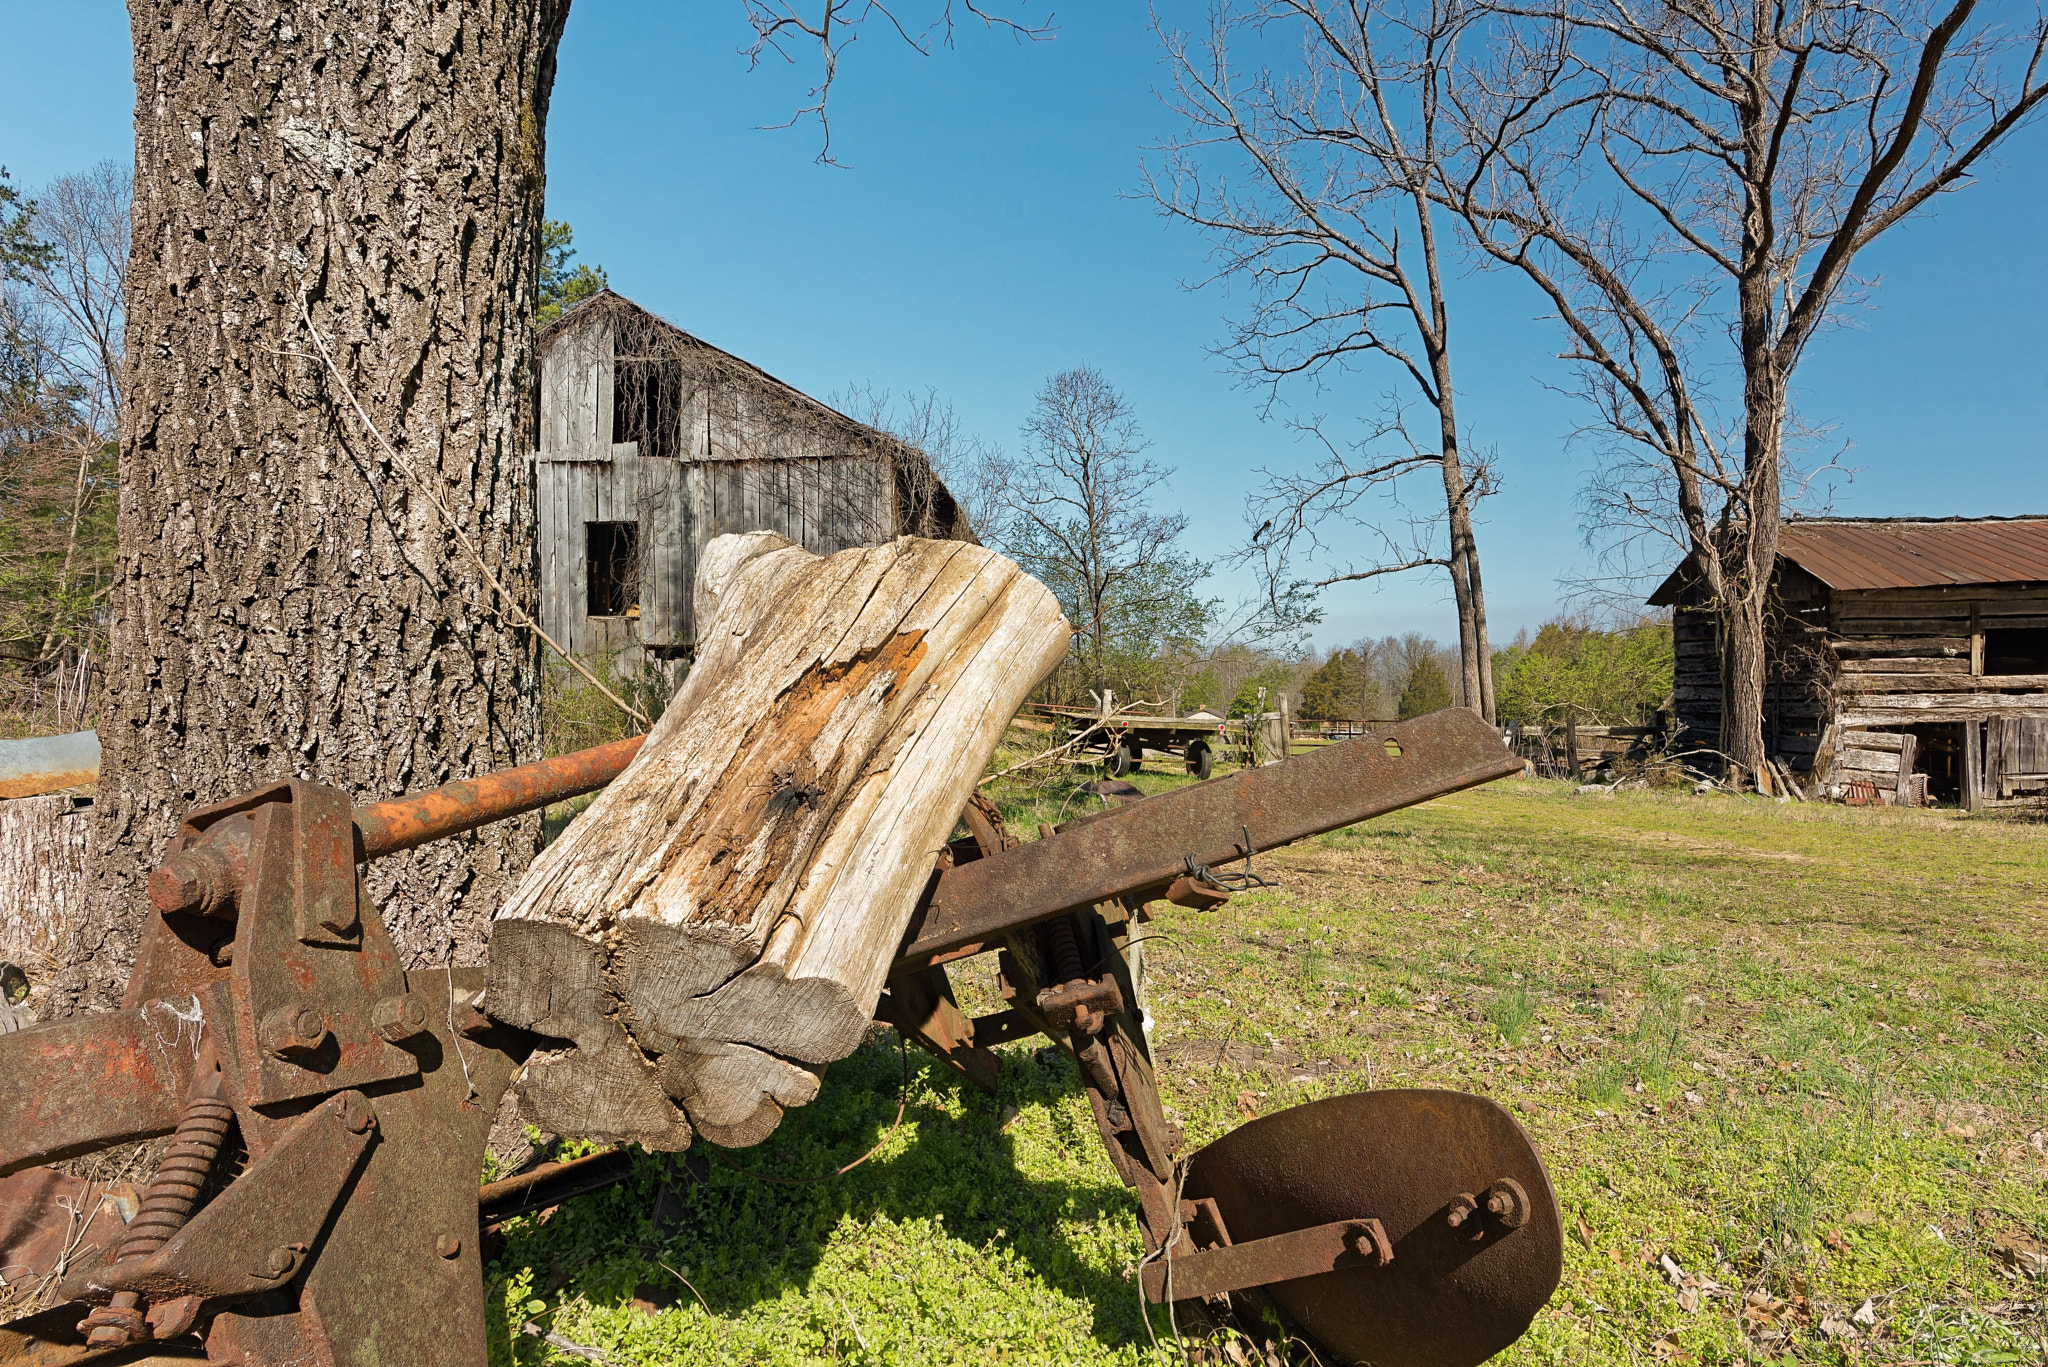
(652, 442)
(1909, 654)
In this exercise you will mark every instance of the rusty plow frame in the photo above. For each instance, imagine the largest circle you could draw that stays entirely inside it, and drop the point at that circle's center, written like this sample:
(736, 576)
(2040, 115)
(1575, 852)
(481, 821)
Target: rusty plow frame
(329, 1110)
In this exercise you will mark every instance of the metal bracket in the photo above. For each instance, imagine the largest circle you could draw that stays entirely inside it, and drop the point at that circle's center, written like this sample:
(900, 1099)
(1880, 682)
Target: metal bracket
(1261, 1262)
(256, 1235)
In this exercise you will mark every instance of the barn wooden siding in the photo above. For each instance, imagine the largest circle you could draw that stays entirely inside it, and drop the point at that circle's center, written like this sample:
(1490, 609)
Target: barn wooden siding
(740, 463)
(1873, 684)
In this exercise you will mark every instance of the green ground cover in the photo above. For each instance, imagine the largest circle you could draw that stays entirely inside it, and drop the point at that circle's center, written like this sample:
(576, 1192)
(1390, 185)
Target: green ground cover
(1788, 1067)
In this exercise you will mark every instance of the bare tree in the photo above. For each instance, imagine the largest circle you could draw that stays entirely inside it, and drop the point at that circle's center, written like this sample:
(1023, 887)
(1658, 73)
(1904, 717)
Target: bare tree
(830, 25)
(1077, 513)
(1335, 229)
(1677, 176)
(62, 317)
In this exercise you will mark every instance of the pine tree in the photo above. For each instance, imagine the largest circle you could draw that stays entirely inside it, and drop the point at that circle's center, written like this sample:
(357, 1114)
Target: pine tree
(1427, 691)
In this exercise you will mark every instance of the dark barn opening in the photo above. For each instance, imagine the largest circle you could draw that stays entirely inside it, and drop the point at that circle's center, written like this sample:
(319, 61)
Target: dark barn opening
(613, 555)
(647, 406)
(2009, 650)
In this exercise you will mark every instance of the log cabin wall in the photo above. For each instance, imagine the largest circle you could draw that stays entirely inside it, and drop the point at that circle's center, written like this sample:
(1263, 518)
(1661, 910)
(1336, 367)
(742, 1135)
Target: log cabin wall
(1910, 655)
(653, 442)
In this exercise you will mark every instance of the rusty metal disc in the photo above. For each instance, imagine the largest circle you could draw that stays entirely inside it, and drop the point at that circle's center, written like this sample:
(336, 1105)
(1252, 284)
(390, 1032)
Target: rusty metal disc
(1453, 1296)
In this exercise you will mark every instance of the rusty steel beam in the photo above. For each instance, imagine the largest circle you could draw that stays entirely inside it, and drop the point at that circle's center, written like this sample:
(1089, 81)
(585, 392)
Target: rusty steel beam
(1139, 849)
(85, 1084)
(48, 764)
(403, 822)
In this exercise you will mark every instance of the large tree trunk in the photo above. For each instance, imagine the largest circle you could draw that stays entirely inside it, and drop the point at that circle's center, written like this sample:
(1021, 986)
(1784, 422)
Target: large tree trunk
(721, 920)
(288, 601)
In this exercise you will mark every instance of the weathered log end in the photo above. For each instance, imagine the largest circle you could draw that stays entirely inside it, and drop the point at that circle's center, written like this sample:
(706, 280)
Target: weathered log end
(609, 1091)
(735, 1093)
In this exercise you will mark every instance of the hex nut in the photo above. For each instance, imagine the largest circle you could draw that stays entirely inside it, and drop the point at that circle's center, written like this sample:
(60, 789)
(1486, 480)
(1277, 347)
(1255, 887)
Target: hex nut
(398, 1018)
(279, 1263)
(470, 1018)
(1508, 1203)
(294, 1028)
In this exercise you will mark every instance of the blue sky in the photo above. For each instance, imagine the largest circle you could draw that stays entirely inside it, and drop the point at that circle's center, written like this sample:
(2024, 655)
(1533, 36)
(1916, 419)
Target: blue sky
(982, 234)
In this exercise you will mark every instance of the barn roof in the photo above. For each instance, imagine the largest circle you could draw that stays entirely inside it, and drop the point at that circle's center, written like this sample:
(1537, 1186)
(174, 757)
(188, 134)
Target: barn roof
(1906, 553)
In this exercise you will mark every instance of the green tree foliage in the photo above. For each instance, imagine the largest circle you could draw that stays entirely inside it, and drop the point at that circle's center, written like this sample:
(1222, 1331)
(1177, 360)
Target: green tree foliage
(561, 286)
(18, 246)
(1574, 671)
(1337, 690)
(1261, 692)
(1427, 689)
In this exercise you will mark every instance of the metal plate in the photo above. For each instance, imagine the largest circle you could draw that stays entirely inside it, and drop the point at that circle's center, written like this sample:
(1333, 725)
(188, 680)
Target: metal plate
(1448, 1299)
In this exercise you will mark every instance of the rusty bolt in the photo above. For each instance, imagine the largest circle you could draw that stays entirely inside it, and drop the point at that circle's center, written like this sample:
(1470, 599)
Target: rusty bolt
(354, 1112)
(397, 1018)
(1370, 1243)
(1462, 1207)
(197, 880)
(295, 1028)
(447, 1246)
(1508, 1203)
(116, 1325)
(280, 1263)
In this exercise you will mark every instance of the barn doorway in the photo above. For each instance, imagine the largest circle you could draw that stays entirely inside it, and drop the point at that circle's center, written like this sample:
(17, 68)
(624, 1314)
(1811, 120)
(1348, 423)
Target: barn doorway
(1938, 753)
(612, 554)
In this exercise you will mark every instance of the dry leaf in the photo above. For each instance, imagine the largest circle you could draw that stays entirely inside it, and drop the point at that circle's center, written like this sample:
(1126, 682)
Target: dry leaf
(1866, 1313)
(1688, 1300)
(1666, 1347)
(1963, 1131)
(1835, 1241)
(1673, 1273)
(1585, 1233)
(1244, 1099)
(1835, 1327)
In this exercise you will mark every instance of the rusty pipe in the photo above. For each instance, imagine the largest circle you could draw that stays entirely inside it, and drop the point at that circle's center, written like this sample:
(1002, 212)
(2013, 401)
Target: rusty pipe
(403, 822)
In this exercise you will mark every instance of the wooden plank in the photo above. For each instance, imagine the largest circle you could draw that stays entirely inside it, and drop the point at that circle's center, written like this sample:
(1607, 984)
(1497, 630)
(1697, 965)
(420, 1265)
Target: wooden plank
(1987, 600)
(1969, 704)
(1973, 766)
(1900, 647)
(1942, 683)
(1936, 713)
(1886, 665)
(1872, 740)
(1871, 761)
(1908, 746)
(1929, 626)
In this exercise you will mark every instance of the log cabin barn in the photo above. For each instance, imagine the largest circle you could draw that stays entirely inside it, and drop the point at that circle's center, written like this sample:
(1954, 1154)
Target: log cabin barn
(653, 441)
(1908, 659)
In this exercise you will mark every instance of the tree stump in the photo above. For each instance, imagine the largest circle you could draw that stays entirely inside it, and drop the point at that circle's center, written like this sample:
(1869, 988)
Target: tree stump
(721, 920)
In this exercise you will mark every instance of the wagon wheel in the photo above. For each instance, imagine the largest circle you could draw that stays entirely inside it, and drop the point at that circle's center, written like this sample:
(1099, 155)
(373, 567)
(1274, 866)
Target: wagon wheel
(1201, 760)
(1134, 750)
(1119, 762)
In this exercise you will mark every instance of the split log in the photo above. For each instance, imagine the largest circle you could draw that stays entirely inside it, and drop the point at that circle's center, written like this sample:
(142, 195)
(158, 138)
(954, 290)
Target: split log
(721, 920)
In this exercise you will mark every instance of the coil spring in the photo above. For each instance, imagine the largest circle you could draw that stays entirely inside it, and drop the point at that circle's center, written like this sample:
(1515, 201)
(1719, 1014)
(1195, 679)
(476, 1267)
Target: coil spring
(1066, 955)
(168, 1201)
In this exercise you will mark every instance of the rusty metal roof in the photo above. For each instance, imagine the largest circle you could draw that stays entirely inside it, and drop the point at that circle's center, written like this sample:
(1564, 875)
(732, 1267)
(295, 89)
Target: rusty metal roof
(1907, 553)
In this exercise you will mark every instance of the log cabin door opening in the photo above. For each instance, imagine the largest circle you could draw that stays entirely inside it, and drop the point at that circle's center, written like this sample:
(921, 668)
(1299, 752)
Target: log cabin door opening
(1938, 754)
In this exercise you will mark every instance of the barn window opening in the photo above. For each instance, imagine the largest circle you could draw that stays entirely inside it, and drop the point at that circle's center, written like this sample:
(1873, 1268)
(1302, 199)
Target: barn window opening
(2010, 650)
(647, 406)
(612, 552)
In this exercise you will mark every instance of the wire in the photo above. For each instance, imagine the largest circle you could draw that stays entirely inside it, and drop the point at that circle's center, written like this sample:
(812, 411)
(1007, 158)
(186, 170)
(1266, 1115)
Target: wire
(902, 1101)
(1232, 882)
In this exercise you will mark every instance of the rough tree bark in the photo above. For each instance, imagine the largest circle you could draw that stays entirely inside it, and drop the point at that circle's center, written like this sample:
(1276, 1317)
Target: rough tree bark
(287, 600)
(721, 920)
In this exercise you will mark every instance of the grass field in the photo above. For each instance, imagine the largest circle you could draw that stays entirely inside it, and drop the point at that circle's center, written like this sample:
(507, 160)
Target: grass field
(1788, 1067)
